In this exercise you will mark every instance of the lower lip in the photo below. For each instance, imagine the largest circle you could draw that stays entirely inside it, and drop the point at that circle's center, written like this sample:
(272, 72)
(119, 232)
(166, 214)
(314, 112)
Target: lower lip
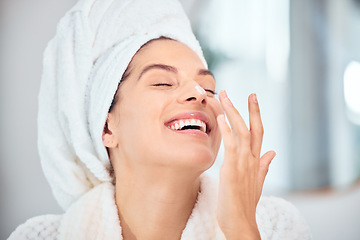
(190, 132)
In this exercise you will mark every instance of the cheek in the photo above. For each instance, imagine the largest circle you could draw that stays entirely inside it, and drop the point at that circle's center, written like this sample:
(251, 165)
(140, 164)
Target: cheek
(139, 119)
(217, 138)
(217, 110)
(131, 132)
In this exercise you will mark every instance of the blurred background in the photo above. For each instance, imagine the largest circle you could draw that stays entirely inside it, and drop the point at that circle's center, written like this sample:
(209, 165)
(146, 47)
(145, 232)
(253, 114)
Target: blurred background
(302, 58)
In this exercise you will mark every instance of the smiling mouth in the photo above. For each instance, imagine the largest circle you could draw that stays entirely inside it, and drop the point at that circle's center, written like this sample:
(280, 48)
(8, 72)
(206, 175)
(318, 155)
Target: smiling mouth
(188, 124)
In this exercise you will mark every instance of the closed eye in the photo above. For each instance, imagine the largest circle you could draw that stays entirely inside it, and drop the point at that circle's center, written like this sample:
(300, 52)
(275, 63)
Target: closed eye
(162, 84)
(210, 91)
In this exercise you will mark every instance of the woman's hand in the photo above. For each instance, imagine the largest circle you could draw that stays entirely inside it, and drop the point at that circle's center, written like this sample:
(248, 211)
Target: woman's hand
(243, 172)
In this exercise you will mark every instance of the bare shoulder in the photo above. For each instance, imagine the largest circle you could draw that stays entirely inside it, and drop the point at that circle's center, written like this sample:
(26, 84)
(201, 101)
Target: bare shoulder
(40, 227)
(280, 219)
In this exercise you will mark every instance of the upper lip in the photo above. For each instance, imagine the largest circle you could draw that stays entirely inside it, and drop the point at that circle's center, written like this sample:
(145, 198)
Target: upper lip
(192, 115)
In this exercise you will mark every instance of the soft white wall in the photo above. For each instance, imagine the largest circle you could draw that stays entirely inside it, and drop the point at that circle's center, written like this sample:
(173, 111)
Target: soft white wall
(25, 28)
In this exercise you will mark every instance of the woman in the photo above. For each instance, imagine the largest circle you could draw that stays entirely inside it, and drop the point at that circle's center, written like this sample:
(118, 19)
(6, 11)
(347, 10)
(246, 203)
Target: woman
(125, 158)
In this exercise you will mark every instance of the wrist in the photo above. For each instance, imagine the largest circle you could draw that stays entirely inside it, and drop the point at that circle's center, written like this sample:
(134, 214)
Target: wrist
(244, 236)
(249, 232)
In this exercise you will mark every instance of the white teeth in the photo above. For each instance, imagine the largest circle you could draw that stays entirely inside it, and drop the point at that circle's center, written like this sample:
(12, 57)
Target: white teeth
(182, 124)
(189, 122)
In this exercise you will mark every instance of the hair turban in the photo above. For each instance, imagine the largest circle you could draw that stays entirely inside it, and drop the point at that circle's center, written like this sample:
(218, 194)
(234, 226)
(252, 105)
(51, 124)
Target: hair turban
(83, 64)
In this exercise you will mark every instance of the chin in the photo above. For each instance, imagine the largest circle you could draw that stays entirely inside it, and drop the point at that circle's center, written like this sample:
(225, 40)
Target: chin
(195, 158)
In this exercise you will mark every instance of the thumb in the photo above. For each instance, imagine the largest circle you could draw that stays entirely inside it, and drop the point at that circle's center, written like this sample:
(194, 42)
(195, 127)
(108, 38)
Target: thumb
(265, 161)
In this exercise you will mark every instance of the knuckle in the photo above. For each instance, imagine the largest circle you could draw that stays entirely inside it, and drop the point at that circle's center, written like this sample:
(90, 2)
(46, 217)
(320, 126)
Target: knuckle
(244, 153)
(231, 146)
(246, 135)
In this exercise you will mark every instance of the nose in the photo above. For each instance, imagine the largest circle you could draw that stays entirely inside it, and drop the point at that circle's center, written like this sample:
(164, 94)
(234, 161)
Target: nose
(193, 93)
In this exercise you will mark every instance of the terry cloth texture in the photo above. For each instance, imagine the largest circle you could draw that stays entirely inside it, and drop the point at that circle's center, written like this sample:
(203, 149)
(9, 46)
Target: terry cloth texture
(94, 217)
(83, 64)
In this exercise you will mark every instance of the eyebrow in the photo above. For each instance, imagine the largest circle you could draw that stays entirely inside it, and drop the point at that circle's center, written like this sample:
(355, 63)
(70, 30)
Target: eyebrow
(158, 66)
(172, 69)
(205, 72)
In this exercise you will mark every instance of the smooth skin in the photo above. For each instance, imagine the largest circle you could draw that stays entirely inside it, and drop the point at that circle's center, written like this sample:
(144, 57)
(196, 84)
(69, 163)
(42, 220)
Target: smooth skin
(243, 172)
(157, 170)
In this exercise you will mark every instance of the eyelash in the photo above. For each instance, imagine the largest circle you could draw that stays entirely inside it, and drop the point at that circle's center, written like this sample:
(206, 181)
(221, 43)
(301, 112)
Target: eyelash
(211, 91)
(169, 85)
(162, 84)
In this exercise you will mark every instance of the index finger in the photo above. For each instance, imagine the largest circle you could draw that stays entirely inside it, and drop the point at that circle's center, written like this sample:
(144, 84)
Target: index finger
(237, 123)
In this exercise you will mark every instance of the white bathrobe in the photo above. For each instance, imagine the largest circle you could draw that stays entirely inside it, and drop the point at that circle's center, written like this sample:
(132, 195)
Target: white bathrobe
(94, 216)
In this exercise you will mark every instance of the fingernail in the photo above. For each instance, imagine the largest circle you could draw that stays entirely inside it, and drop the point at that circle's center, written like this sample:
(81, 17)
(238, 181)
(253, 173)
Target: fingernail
(254, 98)
(224, 93)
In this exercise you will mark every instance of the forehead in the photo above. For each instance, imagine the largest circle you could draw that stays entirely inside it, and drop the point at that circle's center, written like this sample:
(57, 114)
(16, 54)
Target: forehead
(169, 52)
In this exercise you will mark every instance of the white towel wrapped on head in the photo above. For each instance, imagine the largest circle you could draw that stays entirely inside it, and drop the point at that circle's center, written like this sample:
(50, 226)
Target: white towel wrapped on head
(83, 64)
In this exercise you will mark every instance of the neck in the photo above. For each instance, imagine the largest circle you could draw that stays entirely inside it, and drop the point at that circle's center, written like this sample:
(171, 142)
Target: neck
(155, 204)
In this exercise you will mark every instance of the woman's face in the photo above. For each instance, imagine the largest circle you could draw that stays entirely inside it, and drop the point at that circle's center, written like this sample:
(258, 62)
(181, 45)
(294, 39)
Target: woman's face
(160, 95)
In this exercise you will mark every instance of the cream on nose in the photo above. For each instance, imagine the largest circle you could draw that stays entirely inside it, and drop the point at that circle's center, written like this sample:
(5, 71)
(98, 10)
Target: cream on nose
(200, 90)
